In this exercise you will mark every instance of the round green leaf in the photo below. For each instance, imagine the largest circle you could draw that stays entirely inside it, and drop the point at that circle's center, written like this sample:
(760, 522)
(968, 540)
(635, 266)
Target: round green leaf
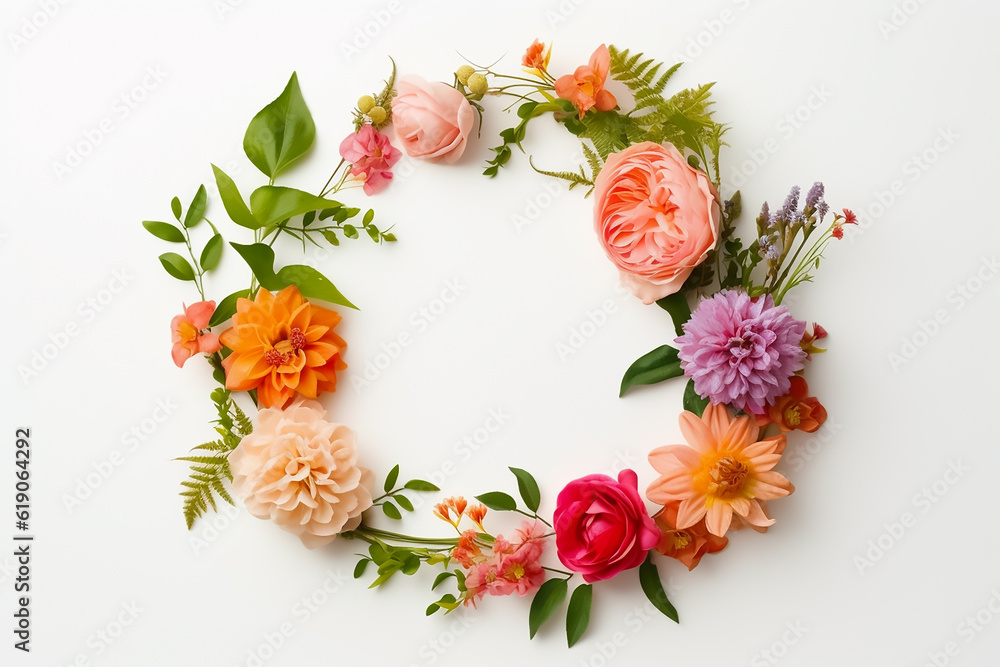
(175, 207)
(391, 511)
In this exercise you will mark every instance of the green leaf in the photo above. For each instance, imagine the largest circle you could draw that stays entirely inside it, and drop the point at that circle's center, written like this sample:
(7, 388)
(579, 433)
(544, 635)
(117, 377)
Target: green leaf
(212, 252)
(693, 402)
(360, 568)
(528, 488)
(420, 485)
(177, 266)
(656, 366)
(389, 237)
(373, 233)
(498, 500)
(441, 578)
(232, 200)
(411, 564)
(369, 216)
(390, 479)
(175, 207)
(578, 614)
(311, 283)
(271, 204)
(227, 307)
(548, 598)
(391, 511)
(403, 502)
(308, 218)
(676, 304)
(350, 231)
(164, 231)
(281, 132)
(196, 211)
(649, 579)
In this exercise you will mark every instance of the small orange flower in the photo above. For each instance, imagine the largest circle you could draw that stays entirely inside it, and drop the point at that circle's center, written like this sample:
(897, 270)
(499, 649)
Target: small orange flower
(585, 87)
(536, 58)
(188, 332)
(282, 346)
(477, 513)
(467, 552)
(796, 410)
(445, 508)
(687, 545)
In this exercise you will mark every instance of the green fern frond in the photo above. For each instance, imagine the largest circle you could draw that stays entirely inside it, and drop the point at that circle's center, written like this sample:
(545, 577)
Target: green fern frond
(209, 472)
(592, 159)
(573, 178)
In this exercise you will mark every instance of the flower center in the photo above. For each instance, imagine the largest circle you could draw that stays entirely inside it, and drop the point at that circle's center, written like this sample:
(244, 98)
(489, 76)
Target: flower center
(681, 539)
(740, 347)
(297, 339)
(187, 332)
(792, 416)
(274, 357)
(727, 477)
(515, 572)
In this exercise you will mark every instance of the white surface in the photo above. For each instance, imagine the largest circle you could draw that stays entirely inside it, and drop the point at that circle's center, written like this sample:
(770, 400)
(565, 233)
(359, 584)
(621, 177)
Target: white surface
(892, 432)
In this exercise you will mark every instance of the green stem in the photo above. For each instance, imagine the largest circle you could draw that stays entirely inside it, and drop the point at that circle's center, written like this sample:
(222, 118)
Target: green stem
(198, 281)
(330, 180)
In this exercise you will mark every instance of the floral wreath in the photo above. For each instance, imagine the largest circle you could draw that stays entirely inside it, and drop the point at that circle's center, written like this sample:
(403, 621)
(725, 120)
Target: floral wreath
(654, 175)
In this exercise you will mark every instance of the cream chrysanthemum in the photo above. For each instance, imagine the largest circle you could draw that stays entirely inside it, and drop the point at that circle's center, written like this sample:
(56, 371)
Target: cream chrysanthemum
(301, 471)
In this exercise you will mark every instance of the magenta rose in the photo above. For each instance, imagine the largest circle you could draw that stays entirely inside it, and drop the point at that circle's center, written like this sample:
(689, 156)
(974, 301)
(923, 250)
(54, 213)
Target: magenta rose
(656, 216)
(432, 119)
(602, 526)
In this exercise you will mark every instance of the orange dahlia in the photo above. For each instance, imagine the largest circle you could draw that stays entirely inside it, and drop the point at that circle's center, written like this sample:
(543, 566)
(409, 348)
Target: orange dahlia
(724, 471)
(282, 345)
(795, 410)
(687, 545)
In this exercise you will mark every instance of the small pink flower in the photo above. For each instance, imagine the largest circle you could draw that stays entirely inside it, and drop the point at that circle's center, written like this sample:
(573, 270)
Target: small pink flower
(511, 567)
(371, 155)
(186, 332)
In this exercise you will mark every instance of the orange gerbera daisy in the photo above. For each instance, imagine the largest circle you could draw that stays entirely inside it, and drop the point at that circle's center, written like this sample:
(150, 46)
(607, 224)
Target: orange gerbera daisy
(724, 471)
(282, 346)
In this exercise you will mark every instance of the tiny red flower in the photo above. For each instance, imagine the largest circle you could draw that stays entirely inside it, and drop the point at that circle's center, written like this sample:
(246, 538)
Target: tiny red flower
(838, 232)
(849, 217)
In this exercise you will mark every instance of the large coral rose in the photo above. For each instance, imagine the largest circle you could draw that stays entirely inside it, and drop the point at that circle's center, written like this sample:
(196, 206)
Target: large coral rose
(656, 216)
(301, 471)
(282, 346)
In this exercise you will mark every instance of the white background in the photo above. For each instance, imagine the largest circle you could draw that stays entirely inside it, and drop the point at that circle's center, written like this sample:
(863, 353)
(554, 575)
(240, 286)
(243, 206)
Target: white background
(871, 98)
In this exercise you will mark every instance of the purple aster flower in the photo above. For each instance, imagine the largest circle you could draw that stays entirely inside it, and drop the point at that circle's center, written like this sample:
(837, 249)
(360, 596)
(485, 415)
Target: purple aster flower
(823, 208)
(815, 195)
(740, 351)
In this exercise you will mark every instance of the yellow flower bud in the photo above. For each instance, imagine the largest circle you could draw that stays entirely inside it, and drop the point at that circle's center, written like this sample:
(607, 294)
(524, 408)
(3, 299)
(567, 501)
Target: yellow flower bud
(377, 114)
(365, 103)
(478, 84)
(464, 72)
